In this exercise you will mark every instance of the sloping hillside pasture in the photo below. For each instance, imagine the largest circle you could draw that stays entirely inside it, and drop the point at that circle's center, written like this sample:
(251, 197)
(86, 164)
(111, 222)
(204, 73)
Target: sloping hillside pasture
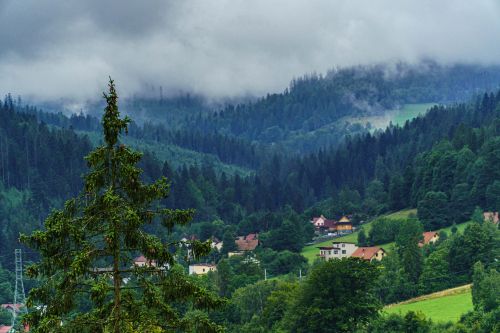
(443, 306)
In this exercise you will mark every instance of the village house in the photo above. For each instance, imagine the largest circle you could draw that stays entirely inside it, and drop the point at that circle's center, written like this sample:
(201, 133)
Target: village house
(491, 217)
(338, 250)
(341, 226)
(142, 261)
(201, 269)
(319, 222)
(429, 237)
(344, 225)
(370, 253)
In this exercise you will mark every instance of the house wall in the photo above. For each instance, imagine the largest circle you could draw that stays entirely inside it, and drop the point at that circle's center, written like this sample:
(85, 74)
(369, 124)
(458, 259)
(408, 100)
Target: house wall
(344, 227)
(346, 249)
(200, 269)
(379, 255)
(340, 250)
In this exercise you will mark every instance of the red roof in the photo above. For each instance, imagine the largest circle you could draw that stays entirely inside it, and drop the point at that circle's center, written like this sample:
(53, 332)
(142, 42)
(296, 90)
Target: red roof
(428, 235)
(11, 306)
(143, 259)
(247, 243)
(251, 237)
(366, 252)
(5, 329)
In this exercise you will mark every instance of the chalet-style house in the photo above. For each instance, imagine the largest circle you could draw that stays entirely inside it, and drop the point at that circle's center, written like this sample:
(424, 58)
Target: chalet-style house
(370, 253)
(491, 217)
(430, 237)
(337, 250)
(343, 225)
(201, 269)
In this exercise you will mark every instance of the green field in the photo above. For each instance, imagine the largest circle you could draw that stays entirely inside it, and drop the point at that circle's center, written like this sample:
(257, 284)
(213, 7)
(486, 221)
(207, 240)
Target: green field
(409, 111)
(397, 116)
(440, 308)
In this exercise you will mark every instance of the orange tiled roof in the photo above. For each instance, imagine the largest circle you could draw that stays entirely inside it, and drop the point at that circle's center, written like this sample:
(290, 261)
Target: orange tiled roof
(428, 235)
(366, 252)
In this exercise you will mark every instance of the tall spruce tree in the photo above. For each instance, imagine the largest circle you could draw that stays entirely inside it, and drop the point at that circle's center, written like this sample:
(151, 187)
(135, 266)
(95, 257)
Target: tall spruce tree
(89, 281)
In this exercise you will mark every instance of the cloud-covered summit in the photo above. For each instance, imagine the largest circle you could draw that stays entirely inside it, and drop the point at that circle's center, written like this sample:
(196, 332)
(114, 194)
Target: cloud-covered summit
(67, 48)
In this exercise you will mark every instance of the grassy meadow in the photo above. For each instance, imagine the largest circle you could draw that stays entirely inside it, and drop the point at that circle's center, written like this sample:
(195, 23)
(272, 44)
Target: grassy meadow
(443, 306)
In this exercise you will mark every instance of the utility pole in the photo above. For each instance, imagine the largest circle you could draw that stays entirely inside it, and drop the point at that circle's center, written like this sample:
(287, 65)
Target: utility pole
(265, 274)
(19, 296)
(300, 274)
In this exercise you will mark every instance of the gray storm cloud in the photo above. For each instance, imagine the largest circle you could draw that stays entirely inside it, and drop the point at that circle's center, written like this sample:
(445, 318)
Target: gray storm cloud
(67, 48)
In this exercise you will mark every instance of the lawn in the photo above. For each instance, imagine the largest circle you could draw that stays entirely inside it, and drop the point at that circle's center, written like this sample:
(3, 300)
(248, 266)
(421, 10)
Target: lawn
(397, 116)
(410, 111)
(440, 308)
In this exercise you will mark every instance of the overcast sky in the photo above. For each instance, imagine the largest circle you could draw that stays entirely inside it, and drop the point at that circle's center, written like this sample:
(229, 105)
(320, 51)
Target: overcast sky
(67, 48)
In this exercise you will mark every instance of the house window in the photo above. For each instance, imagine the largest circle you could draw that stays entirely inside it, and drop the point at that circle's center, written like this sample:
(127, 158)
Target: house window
(343, 251)
(343, 245)
(203, 269)
(336, 252)
(329, 252)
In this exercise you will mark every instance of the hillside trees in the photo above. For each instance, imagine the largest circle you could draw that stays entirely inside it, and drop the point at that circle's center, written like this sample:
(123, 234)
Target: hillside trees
(87, 251)
(337, 296)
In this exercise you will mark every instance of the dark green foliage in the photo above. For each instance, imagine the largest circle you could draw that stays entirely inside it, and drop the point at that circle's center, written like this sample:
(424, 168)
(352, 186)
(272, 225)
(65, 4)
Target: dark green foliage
(5, 317)
(282, 262)
(436, 272)
(479, 242)
(433, 210)
(407, 239)
(337, 296)
(485, 288)
(236, 272)
(88, 247)
(362, 241)
(384, 230)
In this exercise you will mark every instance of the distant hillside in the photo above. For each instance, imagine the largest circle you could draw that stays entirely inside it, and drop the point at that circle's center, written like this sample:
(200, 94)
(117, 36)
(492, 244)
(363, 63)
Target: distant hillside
(310, 114)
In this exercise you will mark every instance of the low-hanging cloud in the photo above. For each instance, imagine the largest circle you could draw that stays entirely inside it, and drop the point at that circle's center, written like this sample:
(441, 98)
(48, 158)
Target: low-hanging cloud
(226, 48)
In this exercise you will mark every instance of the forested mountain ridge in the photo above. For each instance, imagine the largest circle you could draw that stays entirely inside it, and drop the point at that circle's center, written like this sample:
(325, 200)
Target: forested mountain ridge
(308, 115)
(314, 112)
